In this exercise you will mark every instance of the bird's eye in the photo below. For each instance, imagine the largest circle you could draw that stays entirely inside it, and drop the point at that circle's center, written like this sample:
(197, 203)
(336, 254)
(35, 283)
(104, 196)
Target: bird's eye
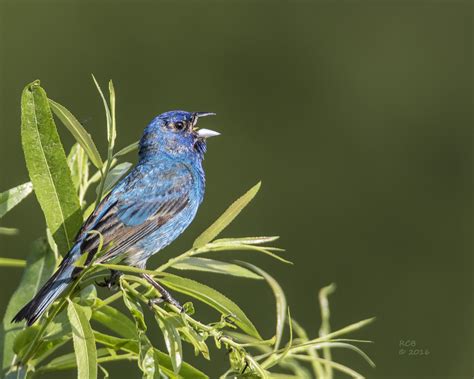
(179, 125)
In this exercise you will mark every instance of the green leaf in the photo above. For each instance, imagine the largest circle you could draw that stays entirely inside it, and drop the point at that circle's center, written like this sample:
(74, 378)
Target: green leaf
(325, 323)
(77, 162)
(246, 240)
(256, 367)
(10, 262)
(84, 342)
(213, 298)
(194, 338)
(117, 343)
(87, 297)
(39, 267)
(12, 197)
(149, 364)
(224, 246)
(131, 346)
(147, 360)
(67, 362)
(280, 299)
(78, 131)
(227, 217)
(187, 371)
(127, 149)
(172, 341)
(114, 320)
(217, 267)
(105, 373)
(344, 369)
(110, 131)
(112, 134)
(8, 231)
(331, 344)
(23, 339)
(47, 166)
(114, 176)
(48, 346)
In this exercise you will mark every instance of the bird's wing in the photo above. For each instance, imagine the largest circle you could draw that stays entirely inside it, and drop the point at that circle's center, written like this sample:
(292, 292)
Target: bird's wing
(144, 203)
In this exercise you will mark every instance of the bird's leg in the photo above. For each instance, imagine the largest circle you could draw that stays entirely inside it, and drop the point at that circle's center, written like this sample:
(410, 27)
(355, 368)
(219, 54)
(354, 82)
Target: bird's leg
(111, 281)
(165, 295)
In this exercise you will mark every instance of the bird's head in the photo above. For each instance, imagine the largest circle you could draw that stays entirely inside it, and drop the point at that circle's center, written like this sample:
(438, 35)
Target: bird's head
(176, 133)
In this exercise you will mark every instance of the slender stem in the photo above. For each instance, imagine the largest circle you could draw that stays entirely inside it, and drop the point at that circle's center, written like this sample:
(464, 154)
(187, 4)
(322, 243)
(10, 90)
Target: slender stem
(110, 358)
(110, 299)
(10, 262)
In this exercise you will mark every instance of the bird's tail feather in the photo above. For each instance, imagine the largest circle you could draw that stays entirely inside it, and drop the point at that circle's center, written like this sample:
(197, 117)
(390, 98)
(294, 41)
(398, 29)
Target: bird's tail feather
(50, 291)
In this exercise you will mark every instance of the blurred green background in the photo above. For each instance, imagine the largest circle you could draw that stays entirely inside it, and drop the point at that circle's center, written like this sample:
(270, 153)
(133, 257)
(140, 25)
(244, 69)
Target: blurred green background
(357, 116)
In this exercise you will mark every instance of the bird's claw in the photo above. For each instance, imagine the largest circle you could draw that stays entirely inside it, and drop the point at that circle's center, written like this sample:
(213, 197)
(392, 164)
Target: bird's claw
(165, 299)
(111, 281)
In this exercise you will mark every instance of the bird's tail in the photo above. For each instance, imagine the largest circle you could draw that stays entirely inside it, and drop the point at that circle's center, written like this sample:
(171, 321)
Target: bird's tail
(51, 290)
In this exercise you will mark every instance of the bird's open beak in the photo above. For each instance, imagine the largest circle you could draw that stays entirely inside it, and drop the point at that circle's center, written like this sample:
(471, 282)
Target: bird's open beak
(205, 133)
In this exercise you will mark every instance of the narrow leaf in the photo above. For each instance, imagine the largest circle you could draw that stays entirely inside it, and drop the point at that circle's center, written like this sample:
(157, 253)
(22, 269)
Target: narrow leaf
(215, 246)
(217, 267)
(187, 371)
(117, 343)
(84, 342)
(280, 299)
(195, 339)
(325, 323)
(78, 164)
(147, 360)
(8, 231)
(12, 197)
(126, 150)
(106, 109)
(10, 262)
(78, 131)
(68, 361)
(347, 329)
(114, 320)
(112, 133)
(335, 365)
(246, 240)
(39, 267)
(213, 298)
(172, 341)
(47, 166)
(227, 217)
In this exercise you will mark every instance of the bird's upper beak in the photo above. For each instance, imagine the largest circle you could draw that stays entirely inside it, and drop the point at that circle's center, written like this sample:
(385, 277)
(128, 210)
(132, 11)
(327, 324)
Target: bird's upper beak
(205, 133)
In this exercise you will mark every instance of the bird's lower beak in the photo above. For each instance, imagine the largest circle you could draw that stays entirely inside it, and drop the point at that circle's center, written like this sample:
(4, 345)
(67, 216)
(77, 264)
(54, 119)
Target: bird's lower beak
(206, 133)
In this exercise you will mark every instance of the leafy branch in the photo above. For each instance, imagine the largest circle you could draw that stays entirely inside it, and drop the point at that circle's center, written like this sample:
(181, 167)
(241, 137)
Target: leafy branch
(62, 185)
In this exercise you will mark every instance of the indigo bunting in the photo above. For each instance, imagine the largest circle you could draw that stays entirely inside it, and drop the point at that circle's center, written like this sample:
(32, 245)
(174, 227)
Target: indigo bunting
(145, 211)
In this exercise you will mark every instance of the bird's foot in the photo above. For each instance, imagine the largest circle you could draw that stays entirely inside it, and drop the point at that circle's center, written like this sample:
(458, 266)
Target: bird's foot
(165, 299)
(111, 282)
(165, 295)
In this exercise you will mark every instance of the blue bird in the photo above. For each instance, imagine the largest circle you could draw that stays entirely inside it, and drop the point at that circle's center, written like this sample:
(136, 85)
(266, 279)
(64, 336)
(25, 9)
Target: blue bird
(145, 211)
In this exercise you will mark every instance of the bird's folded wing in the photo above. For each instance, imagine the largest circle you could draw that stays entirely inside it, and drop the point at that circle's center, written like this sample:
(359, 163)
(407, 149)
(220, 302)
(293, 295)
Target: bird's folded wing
(139, 207)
